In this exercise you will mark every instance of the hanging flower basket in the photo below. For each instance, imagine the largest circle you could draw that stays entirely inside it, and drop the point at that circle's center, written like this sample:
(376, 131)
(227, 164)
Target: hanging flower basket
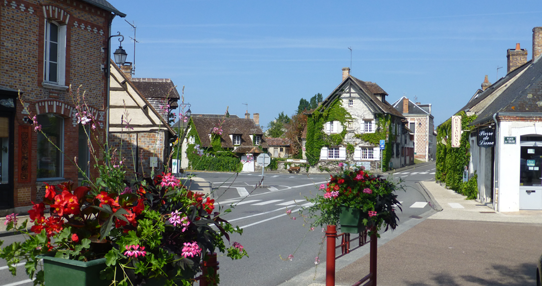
(351, 220)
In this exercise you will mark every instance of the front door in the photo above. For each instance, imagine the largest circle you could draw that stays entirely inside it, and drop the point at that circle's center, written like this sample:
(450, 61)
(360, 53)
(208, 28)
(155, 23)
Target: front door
(530, 197)
(6, 155)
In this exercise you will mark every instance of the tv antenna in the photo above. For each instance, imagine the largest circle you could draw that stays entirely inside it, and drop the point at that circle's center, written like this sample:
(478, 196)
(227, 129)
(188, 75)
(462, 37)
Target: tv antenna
(135, 41)
(350, 48)
(498, 68)
(246, 105)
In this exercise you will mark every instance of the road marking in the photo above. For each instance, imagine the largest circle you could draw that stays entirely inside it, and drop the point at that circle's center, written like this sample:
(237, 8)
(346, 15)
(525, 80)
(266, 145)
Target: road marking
(264, 213)
(16, 265)
(275, 176)
(432, 173)
(418, 205)
(292, 177)
(227, 201)
(19, 282)
(272, 189)
(266, 202)
(262, 221)
(242, 192)
(423, 173)
(313, 184)
(247, 202)
(414, 173)
(456, 205)
(404, 176)
(294, 202)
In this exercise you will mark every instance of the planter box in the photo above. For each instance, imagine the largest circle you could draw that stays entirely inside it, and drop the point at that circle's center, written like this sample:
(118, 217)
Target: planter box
(351, 221)
(60, 271)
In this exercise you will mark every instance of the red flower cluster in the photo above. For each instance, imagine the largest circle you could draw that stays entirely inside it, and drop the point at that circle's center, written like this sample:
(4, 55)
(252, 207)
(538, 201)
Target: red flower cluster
(208, 205)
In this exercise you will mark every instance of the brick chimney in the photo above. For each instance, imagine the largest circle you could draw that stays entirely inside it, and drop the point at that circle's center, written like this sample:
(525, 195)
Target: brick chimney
(247, 115)
(516, 58)
(346, 73)
(127, 70)
(537, 42)
(256, 118)
(486, 82)
(405, 105)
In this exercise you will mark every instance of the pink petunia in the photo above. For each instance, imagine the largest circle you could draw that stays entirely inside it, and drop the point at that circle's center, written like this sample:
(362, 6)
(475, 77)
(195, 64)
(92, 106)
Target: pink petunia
(372, 213)
(367, 191)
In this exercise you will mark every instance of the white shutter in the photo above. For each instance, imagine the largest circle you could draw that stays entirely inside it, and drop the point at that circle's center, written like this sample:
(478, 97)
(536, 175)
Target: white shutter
(376, 153)
(326, 127)
(342, 153)
(339, 127)
(373, 123)
(323, 153)
(357, 154)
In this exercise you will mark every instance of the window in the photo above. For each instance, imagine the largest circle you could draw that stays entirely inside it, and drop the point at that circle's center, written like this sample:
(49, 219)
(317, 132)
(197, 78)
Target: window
(50, 159)
(281, 149)
(55, 53)
(367, 153)
(368, 126)
(350, 102)
(413, 127)
(331, 126)
(333, 153)
(236, 139)
(257, 139)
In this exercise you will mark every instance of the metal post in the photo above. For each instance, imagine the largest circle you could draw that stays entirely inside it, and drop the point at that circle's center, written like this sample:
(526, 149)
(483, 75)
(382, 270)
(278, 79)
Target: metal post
(374, 247)
(331, 234)
(210, 268)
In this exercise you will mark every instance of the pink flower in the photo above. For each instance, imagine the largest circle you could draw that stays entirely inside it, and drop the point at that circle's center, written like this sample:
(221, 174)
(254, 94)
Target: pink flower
(359, 177)
(316, 260)
(191, 249)
(37, 128)
(293, 218)
(288, 212)
(291, 257)
(168, 180)
(11, 218)
(133, 250)
(335, 194)
(341, 164)
(176, 219)
(312, 228)
(327, 196)
(322, 186)
(372, 213)
(238, 246)
(368, 191)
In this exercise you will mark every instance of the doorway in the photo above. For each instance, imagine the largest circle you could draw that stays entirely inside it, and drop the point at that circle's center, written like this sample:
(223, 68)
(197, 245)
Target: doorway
(530, 182)
(7, 117)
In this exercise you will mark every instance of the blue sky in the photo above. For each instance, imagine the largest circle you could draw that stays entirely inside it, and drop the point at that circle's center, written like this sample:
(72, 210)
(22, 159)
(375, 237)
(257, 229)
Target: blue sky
(270, 54)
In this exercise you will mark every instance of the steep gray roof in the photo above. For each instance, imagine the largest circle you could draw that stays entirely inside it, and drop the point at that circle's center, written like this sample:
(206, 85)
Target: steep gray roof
(522, 97)
(106, 6)
(413, 108)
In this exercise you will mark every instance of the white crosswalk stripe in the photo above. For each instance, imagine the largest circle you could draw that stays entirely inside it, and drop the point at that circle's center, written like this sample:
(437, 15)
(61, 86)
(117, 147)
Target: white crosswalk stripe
(418, 205)
(248, 202)
(414, 173)
(423, 173)
(242, 191)
(267, 202)
(290, 203)
(456, 205)
(432, 173)
(272, 189)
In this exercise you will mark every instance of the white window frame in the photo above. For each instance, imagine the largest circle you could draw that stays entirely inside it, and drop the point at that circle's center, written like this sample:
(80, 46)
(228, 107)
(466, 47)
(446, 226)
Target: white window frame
(257, 140)
(236, 139)
(350, 102)
(368, 126)
(331, 123)
(333, 153)
(61, 146)
(367, 153)
(61, 54)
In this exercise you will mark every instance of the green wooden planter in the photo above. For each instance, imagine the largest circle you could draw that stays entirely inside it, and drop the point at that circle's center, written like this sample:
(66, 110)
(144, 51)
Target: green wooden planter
(351, 221)
(59, 271)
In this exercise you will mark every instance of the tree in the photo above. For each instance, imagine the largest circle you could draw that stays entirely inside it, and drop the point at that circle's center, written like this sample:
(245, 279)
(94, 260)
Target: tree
(275, 128)
(294, 132)
(309, 105)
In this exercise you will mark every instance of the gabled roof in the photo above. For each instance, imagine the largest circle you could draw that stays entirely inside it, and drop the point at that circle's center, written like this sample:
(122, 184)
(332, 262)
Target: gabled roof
(231, 126)
(277, 141)
(156, 87)
(522, 96)
(106, 6)
(364, 88)
(413, 108)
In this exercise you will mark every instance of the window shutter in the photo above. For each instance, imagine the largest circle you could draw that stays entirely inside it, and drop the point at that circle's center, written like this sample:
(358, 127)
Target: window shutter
(323, 153)
(357, 154)
(373, 123)
(326, 127)
(339, 127)
(342, 153)
(376, 153)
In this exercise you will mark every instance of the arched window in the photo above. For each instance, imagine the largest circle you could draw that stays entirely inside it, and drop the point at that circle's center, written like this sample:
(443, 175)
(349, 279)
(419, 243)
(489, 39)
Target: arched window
(50, 159)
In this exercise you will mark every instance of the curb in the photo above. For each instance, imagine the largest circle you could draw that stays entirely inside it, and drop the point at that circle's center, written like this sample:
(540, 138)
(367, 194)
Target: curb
(429, 197)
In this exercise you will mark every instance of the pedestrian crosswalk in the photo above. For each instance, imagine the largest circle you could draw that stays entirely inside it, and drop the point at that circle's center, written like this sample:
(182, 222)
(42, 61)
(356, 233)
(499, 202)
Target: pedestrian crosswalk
(303, 203)
(411, 173)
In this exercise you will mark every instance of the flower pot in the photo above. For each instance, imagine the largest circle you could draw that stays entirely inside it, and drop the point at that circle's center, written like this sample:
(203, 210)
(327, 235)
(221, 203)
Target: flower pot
(351, 221)
(59, 271)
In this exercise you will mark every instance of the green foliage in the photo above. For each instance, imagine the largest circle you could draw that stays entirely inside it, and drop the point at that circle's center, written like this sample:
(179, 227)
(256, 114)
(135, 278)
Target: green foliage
(274, 164)
(470, 188)
(316, 137)
(275, 127)
(309, 104)
(384, 130)
(452, 161)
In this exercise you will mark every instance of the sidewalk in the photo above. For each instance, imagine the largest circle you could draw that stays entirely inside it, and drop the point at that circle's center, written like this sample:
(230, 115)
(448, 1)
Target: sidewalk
(466, 243)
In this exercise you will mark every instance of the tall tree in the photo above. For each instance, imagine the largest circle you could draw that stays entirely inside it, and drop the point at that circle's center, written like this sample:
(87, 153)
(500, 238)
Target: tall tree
(303, 105)
(276, 128)
(294, 132)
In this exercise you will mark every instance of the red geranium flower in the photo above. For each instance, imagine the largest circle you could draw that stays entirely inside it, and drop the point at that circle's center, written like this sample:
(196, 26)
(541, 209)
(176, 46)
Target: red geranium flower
(209, 205)
(75, 238)
(49, 192)
(37, 211)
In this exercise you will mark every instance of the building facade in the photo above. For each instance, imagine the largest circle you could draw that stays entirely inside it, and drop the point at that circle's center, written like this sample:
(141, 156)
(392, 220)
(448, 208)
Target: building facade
(46, 47)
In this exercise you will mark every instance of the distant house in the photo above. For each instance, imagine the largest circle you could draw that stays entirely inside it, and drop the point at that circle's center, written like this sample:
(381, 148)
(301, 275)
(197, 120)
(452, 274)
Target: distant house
(278, 147)
(138, 129)
(242, 136)
(161, 94)
(506, 140)
(368, 112)
(420, 123)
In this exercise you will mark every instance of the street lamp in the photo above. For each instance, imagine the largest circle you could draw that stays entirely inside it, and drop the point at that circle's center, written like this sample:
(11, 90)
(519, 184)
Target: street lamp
(120, 54)
(187, 114)
(120, 59)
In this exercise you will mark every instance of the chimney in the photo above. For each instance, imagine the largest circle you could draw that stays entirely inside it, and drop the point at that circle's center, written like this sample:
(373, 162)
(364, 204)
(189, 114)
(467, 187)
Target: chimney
(346, 73)
(537, 42)
(256, 117)
(516, 58)
(127, 70)
(486, 82)
(247, 115)
(405, 105)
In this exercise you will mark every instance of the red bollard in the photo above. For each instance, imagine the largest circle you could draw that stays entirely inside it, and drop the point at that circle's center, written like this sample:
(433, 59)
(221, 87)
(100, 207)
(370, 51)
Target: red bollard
(210, 267)
(331, 234)
(372, 266)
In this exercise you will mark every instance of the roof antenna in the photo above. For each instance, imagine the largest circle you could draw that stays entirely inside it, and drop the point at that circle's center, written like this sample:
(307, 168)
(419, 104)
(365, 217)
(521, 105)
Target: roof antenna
(135, 41)
(350, 48)
(498, 68)
(246, 105)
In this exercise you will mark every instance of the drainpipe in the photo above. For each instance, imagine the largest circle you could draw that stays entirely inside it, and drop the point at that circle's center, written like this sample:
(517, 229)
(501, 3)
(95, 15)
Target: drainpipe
(108, 77)
(496, 166)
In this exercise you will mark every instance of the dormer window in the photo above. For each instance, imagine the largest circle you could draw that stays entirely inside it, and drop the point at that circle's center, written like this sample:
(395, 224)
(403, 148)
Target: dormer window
(257, 139)
(236, 139)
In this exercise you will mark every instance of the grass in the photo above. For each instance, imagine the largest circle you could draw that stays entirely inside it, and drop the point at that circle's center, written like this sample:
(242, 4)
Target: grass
(416, 161)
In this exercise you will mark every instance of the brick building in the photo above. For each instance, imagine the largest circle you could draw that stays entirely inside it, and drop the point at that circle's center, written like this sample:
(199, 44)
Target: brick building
(46, 47)
(138, 128)
(421, 125)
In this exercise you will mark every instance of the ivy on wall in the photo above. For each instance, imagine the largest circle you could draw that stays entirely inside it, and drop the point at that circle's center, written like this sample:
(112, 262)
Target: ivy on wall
(316, 137)
(384, 130)
(452, 161)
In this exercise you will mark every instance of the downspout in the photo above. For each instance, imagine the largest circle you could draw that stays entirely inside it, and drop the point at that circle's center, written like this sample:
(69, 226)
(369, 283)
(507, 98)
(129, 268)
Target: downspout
(108, 79)
(496, 166)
